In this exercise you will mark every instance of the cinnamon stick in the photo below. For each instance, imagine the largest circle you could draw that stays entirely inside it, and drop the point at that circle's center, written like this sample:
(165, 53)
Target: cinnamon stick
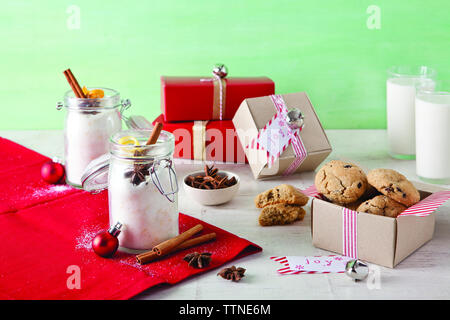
(77, 86)
(149, 256)
(168, 245)
(74, 84)
(155, 133)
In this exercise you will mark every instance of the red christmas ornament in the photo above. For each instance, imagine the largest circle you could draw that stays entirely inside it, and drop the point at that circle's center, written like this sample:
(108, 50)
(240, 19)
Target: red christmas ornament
(105, 243)
(52, 172)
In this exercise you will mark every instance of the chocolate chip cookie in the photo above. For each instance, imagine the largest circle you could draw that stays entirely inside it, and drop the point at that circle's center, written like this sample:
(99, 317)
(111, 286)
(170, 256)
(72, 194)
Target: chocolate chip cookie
(285, 194)
(394, 185)
(341, 182)
(383, 206)
(280, 214)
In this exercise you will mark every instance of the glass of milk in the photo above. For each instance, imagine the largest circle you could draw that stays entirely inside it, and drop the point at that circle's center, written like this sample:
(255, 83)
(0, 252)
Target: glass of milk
(401, 86)
(433, 134)
(142, 188)
(89, 123)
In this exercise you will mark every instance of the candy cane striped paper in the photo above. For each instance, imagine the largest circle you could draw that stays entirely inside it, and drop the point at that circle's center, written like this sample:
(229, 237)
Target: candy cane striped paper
(311, 264)
(349, 233)
(276, 136)
(427, 205)
(311, 192)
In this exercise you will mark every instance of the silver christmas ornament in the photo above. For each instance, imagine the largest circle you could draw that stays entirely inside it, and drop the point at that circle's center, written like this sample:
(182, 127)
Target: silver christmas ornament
(357, 270)
(295, 119)
(220, 70)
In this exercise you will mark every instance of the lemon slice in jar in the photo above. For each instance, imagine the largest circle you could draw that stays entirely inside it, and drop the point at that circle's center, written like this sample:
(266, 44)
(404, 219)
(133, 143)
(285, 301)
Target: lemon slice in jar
(129, 140)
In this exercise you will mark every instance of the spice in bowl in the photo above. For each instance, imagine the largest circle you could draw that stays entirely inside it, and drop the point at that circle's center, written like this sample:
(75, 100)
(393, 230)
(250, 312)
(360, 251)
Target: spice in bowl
(211, 186)
(211, 179)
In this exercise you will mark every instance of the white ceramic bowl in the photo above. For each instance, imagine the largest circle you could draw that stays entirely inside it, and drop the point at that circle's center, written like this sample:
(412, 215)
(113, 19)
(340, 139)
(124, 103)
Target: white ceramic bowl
(215, 196)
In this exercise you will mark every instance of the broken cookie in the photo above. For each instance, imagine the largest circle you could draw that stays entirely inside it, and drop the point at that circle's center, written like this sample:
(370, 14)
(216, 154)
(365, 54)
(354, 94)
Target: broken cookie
(280, 214)
(284, 194)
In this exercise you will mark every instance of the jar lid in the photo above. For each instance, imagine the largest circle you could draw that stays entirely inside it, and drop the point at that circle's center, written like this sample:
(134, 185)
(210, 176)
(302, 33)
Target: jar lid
(95, 177)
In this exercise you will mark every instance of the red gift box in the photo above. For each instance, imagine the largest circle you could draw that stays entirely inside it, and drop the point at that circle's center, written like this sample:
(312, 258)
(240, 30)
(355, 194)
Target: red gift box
(196, 98)
(205, 140)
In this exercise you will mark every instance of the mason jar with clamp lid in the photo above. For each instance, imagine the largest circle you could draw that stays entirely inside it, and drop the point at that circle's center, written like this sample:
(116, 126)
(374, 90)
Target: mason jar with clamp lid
(142, 187)
(88, 125)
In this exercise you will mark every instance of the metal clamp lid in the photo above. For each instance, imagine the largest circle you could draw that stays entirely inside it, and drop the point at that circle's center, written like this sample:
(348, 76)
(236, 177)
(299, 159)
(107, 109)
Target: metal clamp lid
(95, 176)
(165, 163)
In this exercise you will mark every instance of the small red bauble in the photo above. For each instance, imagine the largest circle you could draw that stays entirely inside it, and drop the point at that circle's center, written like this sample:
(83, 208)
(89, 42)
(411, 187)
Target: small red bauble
(105, 243)
(52, 172)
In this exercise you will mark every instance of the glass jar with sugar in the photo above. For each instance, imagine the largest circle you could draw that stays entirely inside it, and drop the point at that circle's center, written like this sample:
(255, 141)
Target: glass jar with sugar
(142, 187)
(89, 122)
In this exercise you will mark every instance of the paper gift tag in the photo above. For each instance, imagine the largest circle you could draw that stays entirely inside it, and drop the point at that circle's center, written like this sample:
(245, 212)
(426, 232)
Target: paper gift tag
(312, 264)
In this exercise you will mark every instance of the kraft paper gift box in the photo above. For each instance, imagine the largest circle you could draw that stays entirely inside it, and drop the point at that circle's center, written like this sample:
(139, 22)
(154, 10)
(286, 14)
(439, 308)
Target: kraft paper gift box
(205, 140)
(204, 98)
(376, 239)
(255, 119)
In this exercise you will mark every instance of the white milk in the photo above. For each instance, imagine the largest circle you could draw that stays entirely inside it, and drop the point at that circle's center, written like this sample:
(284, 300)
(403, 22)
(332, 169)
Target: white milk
(86, 138)
(433, 136)
(400, 99)
(148, 217)
(400, 95)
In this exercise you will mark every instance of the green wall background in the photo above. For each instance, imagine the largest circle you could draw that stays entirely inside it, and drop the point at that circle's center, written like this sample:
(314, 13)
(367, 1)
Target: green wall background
(322, 47)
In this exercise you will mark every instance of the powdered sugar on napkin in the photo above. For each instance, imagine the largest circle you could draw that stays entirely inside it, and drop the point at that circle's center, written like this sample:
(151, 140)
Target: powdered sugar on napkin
(51, 190)
(84, 240)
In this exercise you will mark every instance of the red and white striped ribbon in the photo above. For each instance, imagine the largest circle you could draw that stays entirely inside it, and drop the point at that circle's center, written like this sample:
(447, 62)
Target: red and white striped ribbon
(311, 192)
(300, 156)
(294, 138)
(349, 233)
(427, 205)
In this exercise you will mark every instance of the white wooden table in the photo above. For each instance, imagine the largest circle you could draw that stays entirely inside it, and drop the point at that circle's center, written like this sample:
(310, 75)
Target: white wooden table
(423, 275)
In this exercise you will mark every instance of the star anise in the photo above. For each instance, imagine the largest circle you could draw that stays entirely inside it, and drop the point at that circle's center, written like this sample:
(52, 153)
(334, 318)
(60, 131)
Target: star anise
(138, 174)
(198, 260)
(211, 171)
(212, 179)
(233, 273)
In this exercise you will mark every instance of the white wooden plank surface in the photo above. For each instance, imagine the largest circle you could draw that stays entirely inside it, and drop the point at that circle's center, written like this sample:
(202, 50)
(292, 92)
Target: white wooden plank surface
(423, 275)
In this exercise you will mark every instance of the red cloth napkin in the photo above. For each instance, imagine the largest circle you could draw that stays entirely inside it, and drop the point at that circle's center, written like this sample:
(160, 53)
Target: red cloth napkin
(47, 233)
(15, 156)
